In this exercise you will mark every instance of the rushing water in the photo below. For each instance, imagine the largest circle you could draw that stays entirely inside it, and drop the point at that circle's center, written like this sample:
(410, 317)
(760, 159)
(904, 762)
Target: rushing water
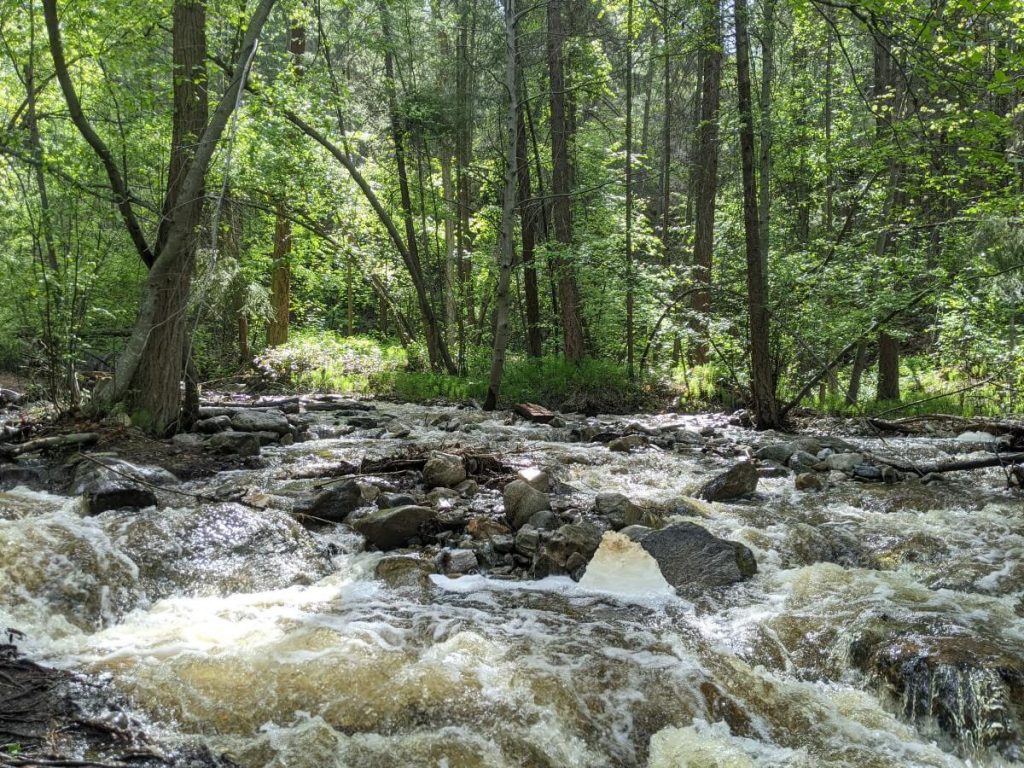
(884, 627)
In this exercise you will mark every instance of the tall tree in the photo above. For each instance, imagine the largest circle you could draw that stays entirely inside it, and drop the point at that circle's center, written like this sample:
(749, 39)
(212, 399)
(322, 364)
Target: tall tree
(561, 189)
(762, 377)
(706, 171)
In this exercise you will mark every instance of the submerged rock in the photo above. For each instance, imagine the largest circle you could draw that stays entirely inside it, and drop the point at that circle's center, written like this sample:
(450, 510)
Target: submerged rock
(522, 502)
(393, 528)
(970, 687)
(217, 549)
(627, 443)
(404, 570)
(810, 481)
(738, 481)
(111, 483)
(444, 469)
(692, 559)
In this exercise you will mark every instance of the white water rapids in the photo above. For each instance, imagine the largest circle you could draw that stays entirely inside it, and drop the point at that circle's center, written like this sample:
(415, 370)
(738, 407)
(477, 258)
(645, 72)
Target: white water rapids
(218, 631)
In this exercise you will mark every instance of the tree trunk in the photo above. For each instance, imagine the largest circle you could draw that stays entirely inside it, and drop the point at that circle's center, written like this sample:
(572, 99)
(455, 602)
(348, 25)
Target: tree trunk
(508, 210)
(857, 373)
(706, 172)
(888, 367)
(281, 277)
(762, 377)
(561, 189)
(280, 281)
(765, 155)
(529, 213)
(629, 189)
(147, 377)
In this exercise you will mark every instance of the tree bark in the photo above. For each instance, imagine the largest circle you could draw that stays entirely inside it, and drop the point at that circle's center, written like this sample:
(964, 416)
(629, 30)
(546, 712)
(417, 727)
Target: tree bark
(706, 172)
(508, 211)
(764, 204)
(630, 297)
(529, 213)
(561, 189)
(762, 377)
(281, 276)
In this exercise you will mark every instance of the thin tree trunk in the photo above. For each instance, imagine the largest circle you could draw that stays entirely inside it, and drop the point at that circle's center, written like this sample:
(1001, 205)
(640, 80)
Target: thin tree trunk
(706, 172)
(857, 373)
(280, 281)
(508, 211)
(630, 296)
(765, 155)
(281, 277)
(761, 374)
(561, 189)
(436, 348)
(529, 211)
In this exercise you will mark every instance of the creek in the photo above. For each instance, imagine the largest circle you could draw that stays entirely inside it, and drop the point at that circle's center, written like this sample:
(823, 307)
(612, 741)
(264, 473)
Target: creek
(884, 626)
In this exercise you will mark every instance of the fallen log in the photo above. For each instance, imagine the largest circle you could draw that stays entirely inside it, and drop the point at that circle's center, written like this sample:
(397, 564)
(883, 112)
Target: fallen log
(962, 465)
(534, 412)
(53, 441)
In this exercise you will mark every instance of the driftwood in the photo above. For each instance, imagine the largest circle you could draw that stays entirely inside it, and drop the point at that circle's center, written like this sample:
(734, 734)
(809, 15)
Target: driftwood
(534, 412)
(962, 465)
(53, 441)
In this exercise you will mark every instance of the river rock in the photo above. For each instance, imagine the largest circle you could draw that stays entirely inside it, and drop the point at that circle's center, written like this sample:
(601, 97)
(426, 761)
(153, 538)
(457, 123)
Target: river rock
(527, 540)
(627, 443)
(867, 472)
(692, 559)
(213, 424)
(118, 484)
(810, 481)
(523, 501)
(392, 528)
(230, 441)
(335, 503)
(260, 420)
(460, 561)
(617, 509)
(537, 478)
(568, 550)
(802, 461)
(777, 452)
(404, 571)
(738, 481)
(389, 500)
(444, 469)
(844, 462)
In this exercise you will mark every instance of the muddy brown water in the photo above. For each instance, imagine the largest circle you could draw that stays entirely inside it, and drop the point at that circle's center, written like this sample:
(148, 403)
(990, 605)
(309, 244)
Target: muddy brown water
(885, 626)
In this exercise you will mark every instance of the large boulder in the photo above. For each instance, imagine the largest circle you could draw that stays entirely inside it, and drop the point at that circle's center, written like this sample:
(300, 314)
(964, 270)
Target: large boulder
(443, 470)
(393, 528)
(740, 480)
(523, 501)
(693, 559)
(217, 549)
(111, 483)
(260, 420)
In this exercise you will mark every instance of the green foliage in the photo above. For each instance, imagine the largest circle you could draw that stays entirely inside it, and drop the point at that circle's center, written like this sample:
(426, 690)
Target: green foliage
(323, 361)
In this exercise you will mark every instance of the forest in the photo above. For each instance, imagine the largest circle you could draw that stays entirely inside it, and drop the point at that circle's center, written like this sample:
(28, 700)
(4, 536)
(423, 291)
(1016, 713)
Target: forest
(604, 205)
(559, 384)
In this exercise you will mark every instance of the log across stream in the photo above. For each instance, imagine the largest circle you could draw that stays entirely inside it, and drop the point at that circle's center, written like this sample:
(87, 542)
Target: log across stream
(884, 625)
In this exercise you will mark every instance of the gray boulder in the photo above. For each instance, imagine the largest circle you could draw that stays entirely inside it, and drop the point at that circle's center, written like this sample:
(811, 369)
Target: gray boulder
(777, 452)
(738, 481)
(844, 462)
(213, 424)
(393, 528)
(568, 550)
(444, 469)
(523, 501)
(627, 443)
(260, 420)
(692, 559)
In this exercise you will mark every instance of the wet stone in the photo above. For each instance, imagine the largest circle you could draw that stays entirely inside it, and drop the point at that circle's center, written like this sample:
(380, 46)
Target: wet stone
(522, 501)
(260, 420)
(692, 559)
(118, 484)
(443, 469)
(737, 482)
(393, 528)
(239, 443)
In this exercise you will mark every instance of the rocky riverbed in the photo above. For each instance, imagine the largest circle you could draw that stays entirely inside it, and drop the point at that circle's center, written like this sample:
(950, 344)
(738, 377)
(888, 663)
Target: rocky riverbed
(326, 582)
